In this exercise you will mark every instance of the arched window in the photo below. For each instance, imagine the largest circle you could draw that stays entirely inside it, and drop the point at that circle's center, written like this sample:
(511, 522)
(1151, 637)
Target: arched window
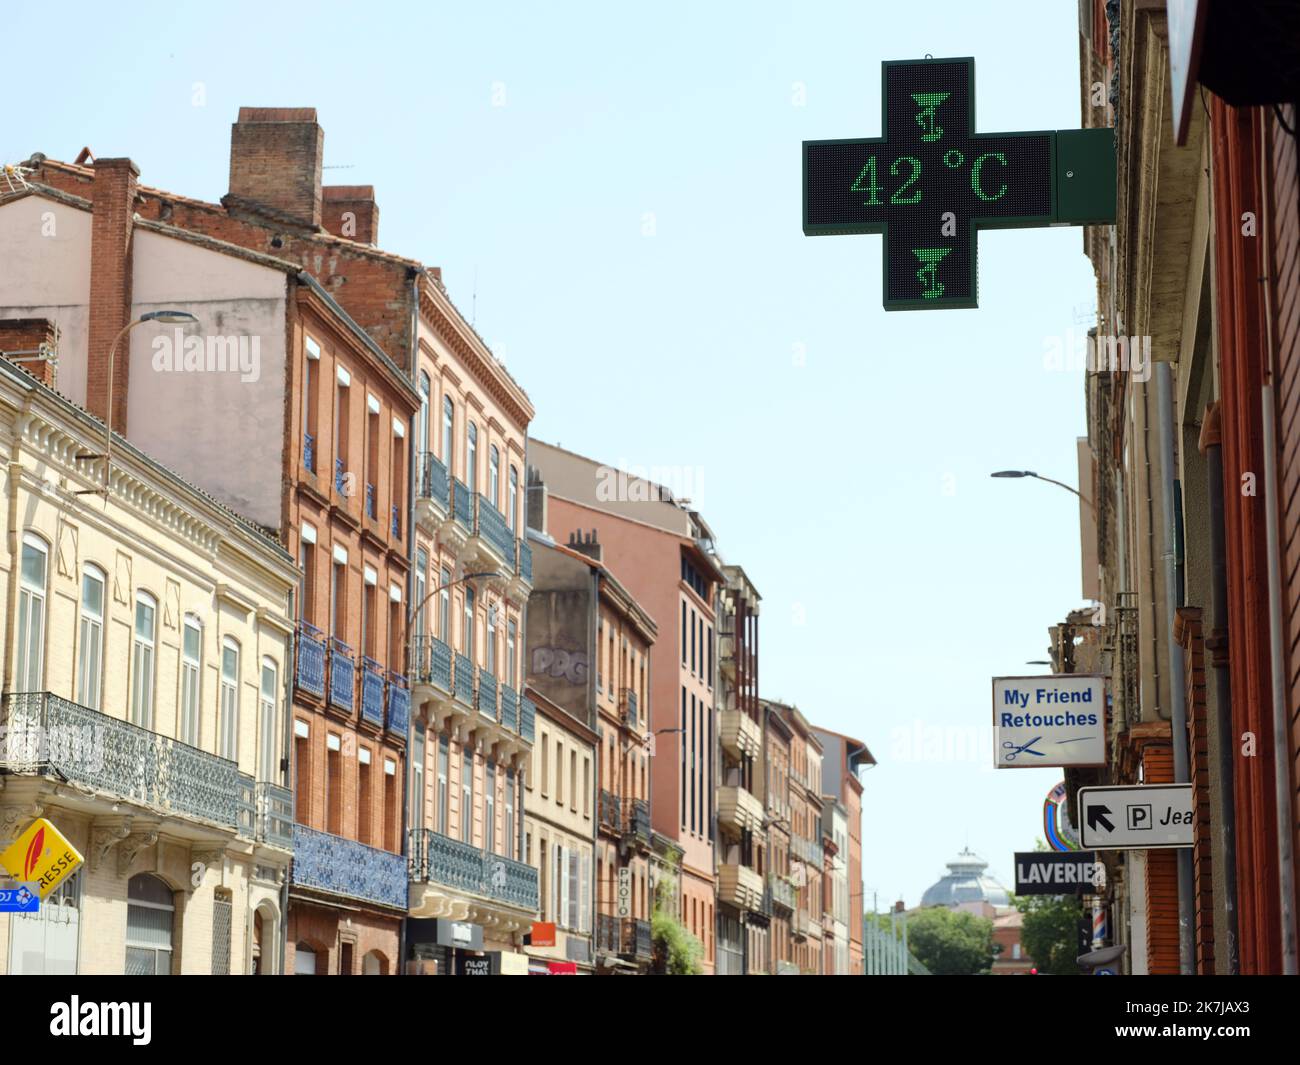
(471, 457)
(448, 431)
(422, 441)
(512, 504)
(494, 475)
(142, 659)
(228, 725)
(191, 668)
(266, 754)
(90, 665)
(150, 914)
(31, 616)
(304, 960)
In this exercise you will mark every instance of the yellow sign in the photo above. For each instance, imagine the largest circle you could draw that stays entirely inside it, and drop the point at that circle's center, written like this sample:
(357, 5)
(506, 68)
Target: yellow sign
(41, 855)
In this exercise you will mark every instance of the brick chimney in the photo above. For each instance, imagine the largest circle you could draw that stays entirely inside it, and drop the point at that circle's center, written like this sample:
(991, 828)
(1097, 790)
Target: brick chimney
(113, 204)
(350, 211)
(32, 343)
(275, 160)
(585, 545)
(536, 508)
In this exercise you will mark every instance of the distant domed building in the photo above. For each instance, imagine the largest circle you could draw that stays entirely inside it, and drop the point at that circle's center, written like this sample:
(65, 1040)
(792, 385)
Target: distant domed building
(967, 887)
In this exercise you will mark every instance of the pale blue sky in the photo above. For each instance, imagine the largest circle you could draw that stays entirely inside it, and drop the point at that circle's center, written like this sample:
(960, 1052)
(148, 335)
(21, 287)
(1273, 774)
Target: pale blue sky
(897, 578)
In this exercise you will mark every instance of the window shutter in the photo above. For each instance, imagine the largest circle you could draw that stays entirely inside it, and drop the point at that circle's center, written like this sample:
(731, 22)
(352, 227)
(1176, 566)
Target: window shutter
(584, 918)
(562, 885)
(575, 891)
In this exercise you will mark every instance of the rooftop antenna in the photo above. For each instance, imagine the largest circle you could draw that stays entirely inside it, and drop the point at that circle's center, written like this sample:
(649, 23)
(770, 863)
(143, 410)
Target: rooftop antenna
(13, 177)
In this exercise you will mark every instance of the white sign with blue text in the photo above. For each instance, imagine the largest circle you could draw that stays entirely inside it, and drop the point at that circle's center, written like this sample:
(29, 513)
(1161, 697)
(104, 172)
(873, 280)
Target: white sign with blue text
(1056, 720)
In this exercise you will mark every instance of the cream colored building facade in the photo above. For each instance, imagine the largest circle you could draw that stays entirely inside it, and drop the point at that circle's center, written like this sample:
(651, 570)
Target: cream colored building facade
(147, 643)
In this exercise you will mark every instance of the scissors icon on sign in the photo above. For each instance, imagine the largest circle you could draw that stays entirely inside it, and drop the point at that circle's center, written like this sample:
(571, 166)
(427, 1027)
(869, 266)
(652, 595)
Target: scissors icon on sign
(1022, 749)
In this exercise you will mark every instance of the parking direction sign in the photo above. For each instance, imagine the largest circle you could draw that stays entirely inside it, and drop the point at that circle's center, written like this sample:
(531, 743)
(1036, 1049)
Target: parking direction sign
(1054, 720)
(1138, 817)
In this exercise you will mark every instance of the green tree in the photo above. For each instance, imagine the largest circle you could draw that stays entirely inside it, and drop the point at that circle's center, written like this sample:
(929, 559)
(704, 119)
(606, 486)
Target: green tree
(677, 952)
(951, 942)
(1050, 933)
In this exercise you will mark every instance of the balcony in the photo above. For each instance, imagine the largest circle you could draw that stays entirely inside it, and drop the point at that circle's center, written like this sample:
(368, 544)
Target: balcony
(787, 968)
(309, 452)
(485, 701)
(491, 531)
(740, 735)
(800, 924)
(739, 810)
(340, 477)
(608, 938)
(524, 562)
(371, 511)
(637, 942)
(338, 866)
(431, 663)
(372, 692)
(740, 886)
(343, 674)
(274, 808)
(463, 867)
(607, 806)
(509, 708)
(464, 681)
(636, 821)
(310, 674)
(46, 735)
(434, 488)
(396, 524)
(462, 507)
(627, 707)
(527, 719)
(399, 705)
(783, 893)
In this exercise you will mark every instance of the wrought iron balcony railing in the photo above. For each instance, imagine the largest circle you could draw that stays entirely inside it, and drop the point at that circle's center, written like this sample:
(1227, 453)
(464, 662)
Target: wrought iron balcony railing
(340, 476)
(343, 674)
(782, 891)
(491, 526)
(524, 561)
(434, 483)
(431, 662)
(310, 674)
(509, 708)
(486, 702)
(627, 705)
(372, 692)
(637, 941)
(464, 867)
(608, 938)
(43, 733)
(527, 719)
(371, 511)
(464, 680)
(608, 808)
(462, 506)
(636, 820)
(344, 867)
(245, 806)
(309, 451)
(399, 705)
(397, 522)
(274, 806)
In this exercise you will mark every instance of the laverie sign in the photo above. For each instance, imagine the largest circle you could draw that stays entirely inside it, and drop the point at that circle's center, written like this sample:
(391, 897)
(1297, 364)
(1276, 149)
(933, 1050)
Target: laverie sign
(1057, 720)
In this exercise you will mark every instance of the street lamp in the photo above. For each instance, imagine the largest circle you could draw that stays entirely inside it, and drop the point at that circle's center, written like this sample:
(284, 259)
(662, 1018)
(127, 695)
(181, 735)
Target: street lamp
(1049, 480)
(167, 317)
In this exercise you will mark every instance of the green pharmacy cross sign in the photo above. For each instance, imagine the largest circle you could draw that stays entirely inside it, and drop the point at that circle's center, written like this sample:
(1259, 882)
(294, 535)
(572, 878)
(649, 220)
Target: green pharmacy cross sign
(931, 183)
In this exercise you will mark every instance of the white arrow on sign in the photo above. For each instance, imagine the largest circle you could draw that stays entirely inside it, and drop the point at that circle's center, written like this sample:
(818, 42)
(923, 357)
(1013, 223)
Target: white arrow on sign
(1138, 817)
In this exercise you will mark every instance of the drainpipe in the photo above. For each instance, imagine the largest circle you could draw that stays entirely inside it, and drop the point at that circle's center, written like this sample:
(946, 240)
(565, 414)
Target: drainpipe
(1281, 729)
(1224, 809)
(1177, 700)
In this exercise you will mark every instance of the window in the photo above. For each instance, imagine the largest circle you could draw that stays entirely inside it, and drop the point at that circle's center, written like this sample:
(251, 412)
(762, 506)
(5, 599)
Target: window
(573, 780)
(586, 787)
(684, 735)
(709, 677)
(309, 410)
(392, 818)
(448, 432)
(494, 475)
(266, 720)
(333, 784)
(467, 635)
(467, 795)
(510, 655)
(492, 640)
(368, 618)
(307, 589)
(421, 581)
(91, 665)
(683, 632)
(31, 617)
(444, 608)
(338, 597)
(150, 914)
(302, 772)
(510, 813)
(365, 798)
(444, 795)
(422, 438)
(490, 809)
(546, 765)
(513, 502)
(471, 457)
(228, 725)
(559, 772)
(142, 660)
(191, 668)
(692, 641)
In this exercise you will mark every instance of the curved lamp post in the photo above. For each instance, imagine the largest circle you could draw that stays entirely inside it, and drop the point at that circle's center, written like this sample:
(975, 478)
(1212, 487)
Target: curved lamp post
(1049, 480)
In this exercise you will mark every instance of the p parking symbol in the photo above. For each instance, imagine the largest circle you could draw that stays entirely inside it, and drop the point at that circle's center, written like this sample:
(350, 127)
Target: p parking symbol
(1139, 817)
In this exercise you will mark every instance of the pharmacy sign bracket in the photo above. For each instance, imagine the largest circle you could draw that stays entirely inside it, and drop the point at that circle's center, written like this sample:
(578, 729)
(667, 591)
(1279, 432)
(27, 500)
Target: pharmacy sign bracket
(930, 183)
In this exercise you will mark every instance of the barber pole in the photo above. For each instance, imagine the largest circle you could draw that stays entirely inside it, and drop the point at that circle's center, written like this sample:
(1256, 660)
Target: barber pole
(1099, 929)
